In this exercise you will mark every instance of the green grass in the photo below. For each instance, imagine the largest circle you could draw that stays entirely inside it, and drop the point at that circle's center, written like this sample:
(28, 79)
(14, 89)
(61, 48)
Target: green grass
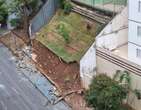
(80, 37)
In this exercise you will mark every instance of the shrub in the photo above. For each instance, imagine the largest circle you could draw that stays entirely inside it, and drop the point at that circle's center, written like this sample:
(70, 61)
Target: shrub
(63, 32)
(62, 4)
(105, 93)
(67, 7)
(15, 22)
(3, 12)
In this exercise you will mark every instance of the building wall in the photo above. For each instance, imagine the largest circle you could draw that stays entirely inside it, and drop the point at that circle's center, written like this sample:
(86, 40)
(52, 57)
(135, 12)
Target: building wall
(113, 40)
(88, 66)
(109, 41)
(134, 40)
(104, 66)
(132, 53)
(133, 33)
(133, 10)
(115, 33)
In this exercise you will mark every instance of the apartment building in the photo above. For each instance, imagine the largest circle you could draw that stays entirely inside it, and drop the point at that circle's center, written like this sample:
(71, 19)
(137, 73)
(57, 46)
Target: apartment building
(134, 31)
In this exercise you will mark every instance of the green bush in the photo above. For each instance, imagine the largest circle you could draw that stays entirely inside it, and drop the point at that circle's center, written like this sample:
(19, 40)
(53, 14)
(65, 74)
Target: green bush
(105, 93)
(63, 32)
(67, 7)
(15, 22)
(3, 12)
(62, 4)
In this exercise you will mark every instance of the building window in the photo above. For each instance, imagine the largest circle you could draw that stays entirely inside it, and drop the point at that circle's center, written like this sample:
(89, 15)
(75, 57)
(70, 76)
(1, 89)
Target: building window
(139, 31)
(139, 53)
(139, 6)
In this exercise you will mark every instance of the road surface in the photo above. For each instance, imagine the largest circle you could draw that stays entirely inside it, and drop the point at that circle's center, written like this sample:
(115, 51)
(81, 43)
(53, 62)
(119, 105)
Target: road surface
(16, 92)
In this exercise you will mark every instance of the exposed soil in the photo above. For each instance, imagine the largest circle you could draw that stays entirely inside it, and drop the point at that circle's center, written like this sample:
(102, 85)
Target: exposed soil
(80, 31)
(66, 76)
(12, 42)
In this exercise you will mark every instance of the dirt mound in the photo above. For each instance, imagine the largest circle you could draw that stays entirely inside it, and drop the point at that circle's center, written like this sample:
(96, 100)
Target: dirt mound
(66, 76)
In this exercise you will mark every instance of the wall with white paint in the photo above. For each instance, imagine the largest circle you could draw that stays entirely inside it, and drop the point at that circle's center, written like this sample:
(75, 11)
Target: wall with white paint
(88, 66)
(115, 33)
(132, 53)
(134, 14)
(133, 37)
(134, 40)
(109, 38)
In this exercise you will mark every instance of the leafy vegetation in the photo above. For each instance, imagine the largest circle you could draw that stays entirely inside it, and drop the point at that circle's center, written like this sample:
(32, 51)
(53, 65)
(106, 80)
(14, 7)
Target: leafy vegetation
(106, 93)
(63, 32)
(15, 22)
(24, 9)
(3, 12)
(66, 6)
(78, 37)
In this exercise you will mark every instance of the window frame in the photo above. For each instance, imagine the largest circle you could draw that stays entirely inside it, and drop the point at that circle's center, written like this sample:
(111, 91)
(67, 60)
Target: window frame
(139, 6)
(138, 53)
(139, 31)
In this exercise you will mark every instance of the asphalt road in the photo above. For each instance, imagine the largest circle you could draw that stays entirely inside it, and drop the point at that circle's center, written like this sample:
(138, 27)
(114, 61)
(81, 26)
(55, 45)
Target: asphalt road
(16, 92)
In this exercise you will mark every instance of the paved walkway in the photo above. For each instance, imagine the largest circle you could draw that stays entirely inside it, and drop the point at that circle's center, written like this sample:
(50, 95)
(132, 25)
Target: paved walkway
(17, 91)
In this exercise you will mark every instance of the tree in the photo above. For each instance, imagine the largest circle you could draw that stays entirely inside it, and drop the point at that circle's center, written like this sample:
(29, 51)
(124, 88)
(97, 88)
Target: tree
(3, 12)
(25, 9)
(107, 93)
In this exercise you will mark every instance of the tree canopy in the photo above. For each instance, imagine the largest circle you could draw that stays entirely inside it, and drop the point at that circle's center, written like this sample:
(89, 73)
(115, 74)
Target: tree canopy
(3, 11)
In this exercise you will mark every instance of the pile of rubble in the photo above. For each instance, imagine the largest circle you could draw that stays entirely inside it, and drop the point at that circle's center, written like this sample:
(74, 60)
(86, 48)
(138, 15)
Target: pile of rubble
(26, 67)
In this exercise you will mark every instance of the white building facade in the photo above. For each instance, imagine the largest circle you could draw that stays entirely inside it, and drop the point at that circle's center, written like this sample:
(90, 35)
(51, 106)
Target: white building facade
(134, 32)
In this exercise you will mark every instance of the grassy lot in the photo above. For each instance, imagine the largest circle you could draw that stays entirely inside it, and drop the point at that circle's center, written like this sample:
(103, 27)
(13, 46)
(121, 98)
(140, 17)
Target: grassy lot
(80, 37)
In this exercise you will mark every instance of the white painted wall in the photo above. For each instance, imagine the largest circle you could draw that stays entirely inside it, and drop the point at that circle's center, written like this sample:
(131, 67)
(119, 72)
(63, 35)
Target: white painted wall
(115, 33)
(109, 41)
(133, 33)
(113, 40)
(88, 66)
(134, 41)
(132, 53)
(133, 10)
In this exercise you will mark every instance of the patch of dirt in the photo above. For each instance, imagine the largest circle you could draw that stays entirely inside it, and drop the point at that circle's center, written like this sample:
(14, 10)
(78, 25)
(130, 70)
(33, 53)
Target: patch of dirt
(13, 42)
(66, 76)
